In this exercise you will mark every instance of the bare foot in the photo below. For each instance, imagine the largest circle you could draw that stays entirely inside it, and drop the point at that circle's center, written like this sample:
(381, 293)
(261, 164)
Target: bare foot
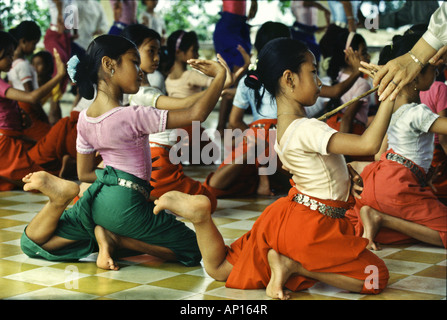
(60, 191)
(195, 208)
(281, 271)
(371, 220)
(107, 242)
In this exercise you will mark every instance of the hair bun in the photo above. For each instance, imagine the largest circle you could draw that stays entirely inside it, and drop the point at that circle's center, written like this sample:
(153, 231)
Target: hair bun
(252, 80)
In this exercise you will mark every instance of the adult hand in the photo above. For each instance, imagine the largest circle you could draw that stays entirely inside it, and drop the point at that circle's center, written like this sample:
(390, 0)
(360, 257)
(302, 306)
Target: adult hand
(395, 75)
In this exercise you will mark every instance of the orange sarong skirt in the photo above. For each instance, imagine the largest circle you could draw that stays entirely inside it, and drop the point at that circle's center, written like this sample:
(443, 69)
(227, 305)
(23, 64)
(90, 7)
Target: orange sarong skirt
(247, 182)
(171, 177)
(319, 242)
(393, 189)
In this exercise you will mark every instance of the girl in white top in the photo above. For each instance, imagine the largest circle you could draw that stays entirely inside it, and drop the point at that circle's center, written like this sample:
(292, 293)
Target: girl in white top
(303, 237)
(397, 203)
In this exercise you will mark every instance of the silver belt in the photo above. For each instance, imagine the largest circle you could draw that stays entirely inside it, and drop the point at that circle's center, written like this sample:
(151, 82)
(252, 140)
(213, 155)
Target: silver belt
(410, 165)
(333, 212)
(263, 125)
(134, 186)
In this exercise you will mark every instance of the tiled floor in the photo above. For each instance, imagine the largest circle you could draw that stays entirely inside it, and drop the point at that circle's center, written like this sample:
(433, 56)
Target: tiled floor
(418, 272)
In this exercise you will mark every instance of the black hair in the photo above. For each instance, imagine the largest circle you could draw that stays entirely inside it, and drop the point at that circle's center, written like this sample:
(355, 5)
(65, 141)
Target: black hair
(268, 31)
(6, 41)
(417, 28)
(277, 56)
(87, 69)
(137, 33)
(47, 59)
(400, 46)
(179, 40)
(27, 30)
(332, 46)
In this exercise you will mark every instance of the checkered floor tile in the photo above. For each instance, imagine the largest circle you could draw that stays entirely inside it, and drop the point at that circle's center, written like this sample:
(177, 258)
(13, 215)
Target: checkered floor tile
(418, 272)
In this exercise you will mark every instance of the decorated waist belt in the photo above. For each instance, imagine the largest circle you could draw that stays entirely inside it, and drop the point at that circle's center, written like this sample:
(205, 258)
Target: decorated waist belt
(410, 165)
(263, 125)
(134, 186)
(333, 212)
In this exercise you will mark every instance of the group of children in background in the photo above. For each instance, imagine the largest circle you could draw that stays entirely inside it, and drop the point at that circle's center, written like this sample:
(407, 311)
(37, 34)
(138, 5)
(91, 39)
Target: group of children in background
(118, 139)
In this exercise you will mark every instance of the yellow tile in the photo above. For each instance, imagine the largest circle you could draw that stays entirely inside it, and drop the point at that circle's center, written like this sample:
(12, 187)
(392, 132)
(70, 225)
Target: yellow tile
(7, 212)
(232, 233)
(100, 286)
(434, 272)
(417, 256)
(9, 235)
(186, 282)
(312, 296)
(7, 250)
(7, 223)
(8, 267)
(396, 294)
(88, 267)
(394, 277)
(7, 203)
(9, 288)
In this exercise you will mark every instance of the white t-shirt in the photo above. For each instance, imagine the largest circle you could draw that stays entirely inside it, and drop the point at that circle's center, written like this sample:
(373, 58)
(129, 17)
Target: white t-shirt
(22, 72)
(409, 136)
(317, 173)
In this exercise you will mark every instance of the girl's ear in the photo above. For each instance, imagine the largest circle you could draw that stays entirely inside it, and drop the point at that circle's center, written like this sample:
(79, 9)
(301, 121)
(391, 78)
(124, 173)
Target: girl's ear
(290, 79)
(108, 64)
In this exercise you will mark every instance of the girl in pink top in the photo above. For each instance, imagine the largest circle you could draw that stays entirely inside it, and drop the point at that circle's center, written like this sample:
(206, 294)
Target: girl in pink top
(115, 210)
(15, 160)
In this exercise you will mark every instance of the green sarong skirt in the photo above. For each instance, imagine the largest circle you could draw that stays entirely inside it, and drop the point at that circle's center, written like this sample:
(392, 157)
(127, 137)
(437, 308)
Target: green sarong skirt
(123, 211)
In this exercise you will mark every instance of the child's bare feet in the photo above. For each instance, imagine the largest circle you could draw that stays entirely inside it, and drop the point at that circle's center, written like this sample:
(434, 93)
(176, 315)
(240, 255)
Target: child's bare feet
(371, 220)
(107, 242)
(195, 208)
(280, 267)
(59, 191)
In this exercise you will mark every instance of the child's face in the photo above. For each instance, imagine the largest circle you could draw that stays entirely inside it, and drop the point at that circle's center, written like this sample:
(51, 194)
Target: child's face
(28, 46)
(39, 65)
(128, 75)
(150, 55)
(363, 51)
(6, 61)
(151, 4)
(192, 52)
(426, 79)
(308, 87)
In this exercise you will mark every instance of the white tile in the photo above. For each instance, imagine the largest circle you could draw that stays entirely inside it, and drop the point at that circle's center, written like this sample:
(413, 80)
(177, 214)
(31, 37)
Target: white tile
(138, 274)
(147, 292)
(25, 217)
(236, 214)
(18, 228)
(327, 290)
(427, 248)
(47, 276)
(53, 294)
(23, 258)
(238, 294)
(224, 203)
(405, 267)
(26, 207)
(422, 284)
(239, 225)
(27, 197)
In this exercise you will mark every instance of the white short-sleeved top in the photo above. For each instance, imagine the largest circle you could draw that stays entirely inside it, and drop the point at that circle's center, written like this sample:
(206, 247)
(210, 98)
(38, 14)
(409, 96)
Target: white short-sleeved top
(409, 136)
(22, 72)
(317, 173)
